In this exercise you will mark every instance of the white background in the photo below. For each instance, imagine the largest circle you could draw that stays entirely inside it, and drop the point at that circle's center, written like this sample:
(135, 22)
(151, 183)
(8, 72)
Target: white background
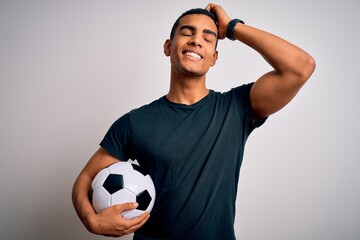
(68, 69)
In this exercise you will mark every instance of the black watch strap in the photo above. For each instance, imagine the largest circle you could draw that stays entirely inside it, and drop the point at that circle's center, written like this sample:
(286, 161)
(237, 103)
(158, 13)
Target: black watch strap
(230, 28)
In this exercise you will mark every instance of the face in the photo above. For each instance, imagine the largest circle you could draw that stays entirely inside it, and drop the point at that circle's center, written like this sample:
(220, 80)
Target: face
(192, 50)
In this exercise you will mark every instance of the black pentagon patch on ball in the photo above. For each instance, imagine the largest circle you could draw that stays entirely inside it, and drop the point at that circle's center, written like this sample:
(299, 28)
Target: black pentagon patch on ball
(143, 199)
(114, 183)
(139, 169)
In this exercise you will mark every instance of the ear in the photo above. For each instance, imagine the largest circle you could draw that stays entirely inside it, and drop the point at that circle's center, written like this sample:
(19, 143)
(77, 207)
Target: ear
(215, 57)
(167, 45)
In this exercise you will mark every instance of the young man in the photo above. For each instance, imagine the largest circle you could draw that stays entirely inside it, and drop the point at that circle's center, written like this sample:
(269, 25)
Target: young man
(192, 140)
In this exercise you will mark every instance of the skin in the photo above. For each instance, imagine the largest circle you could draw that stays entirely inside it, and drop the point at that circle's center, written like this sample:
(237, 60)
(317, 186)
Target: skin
(188, 74)
(194, 37)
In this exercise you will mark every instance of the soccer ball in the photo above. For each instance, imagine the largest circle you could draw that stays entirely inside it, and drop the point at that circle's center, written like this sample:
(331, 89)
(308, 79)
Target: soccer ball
(123, 182)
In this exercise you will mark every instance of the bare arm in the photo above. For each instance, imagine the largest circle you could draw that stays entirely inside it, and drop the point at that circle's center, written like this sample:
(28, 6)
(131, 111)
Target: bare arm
(292, 68)
(292, 65)
(110, 221)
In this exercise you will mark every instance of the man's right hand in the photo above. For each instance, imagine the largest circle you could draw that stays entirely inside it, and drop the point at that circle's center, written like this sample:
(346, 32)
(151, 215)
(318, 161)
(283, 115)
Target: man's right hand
(110, 221)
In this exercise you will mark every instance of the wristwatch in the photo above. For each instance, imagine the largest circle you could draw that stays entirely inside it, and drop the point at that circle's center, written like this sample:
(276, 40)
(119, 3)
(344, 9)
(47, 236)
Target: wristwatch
(230, 28)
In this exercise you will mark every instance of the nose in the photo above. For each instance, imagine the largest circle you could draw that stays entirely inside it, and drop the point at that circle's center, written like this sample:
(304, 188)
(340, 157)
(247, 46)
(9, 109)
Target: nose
(195, 41)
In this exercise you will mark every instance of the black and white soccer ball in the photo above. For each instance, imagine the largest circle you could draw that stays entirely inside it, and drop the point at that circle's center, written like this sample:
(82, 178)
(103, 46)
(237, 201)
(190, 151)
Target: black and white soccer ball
(123, 182)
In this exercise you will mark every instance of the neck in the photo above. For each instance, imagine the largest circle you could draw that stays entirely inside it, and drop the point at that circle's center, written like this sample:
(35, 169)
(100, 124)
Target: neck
(187, 90)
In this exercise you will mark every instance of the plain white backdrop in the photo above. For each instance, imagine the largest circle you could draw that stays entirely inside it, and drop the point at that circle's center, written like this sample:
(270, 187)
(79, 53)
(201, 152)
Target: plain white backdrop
(68, 69)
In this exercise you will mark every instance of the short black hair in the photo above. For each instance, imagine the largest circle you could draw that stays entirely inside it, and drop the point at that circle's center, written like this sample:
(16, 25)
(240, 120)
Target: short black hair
(193, 11)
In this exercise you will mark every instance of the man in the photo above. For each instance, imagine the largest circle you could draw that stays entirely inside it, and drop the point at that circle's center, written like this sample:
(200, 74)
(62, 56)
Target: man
(192, 140)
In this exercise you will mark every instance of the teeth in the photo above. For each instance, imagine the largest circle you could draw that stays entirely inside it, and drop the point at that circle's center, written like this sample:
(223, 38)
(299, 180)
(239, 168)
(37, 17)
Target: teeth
(194, 55)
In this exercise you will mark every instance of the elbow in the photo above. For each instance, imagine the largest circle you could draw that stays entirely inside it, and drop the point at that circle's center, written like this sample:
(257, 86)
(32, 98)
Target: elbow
(306, 68)
(300, 71)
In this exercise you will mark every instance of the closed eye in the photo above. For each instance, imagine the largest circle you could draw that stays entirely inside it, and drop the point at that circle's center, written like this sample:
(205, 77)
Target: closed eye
(209, 38)
(186, 32)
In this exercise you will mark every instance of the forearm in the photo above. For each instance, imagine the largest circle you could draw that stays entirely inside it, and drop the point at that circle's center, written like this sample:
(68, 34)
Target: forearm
(283, 56)
(288, 60)
(81, 202)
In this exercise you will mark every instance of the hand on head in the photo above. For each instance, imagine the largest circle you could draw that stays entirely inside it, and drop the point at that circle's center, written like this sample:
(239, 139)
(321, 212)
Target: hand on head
(222, 17)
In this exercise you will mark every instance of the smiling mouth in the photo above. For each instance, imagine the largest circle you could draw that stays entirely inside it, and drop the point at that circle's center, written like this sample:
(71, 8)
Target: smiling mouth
(192, 55)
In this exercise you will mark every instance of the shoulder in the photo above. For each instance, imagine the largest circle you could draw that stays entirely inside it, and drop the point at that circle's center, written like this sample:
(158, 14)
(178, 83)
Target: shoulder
(240, 93)
(136, 113)
(144, 109)
(146, 112)
(243, 89)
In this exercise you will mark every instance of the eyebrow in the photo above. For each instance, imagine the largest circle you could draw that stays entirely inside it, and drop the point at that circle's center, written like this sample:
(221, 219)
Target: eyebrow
(192, 28)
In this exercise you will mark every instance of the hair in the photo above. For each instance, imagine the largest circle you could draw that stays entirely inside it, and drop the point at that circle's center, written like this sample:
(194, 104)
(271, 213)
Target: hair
(193, 11)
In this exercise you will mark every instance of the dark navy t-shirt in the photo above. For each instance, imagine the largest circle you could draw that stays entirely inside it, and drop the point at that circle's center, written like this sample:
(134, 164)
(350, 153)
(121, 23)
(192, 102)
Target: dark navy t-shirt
(193, 153)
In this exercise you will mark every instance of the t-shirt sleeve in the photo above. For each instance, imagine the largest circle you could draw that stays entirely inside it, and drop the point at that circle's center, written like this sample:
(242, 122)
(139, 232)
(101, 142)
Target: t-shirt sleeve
(242, 94)
(118, 139)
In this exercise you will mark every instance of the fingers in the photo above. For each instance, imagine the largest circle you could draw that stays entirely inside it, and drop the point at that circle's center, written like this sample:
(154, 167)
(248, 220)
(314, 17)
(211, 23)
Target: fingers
(126, 206)
(134, 223)
(110, 221)
(212, 7)
(208, 7)
(138, 222)
(223, 18)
